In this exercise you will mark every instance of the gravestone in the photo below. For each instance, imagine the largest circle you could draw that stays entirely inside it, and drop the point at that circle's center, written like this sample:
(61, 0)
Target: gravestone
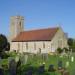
(17, 58)
(51, 68)
(44, 56)
(41, 69)
(59, 65)
(22, 59)
(25, 58)
(10, 58)
(1, 71)
(29, 71)
(61, 56)
(67, 64)
(18, 65)
(12, 67)
(0, 59)
(66, 72)
(72, 59)
(0, 62)
(73, 72)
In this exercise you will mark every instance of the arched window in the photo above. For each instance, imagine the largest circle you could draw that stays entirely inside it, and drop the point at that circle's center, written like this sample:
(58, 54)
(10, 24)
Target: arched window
(43, 44)
(52, 47)
(60, 43)
(18, 46)
(26, 45)
(34, 46)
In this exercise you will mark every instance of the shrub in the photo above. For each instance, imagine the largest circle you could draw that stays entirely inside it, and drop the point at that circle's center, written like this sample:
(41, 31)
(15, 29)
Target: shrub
(66, 50)
(59, 50)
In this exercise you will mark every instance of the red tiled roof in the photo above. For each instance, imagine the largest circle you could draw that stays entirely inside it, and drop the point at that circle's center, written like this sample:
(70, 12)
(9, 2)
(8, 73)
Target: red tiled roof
(36, 35)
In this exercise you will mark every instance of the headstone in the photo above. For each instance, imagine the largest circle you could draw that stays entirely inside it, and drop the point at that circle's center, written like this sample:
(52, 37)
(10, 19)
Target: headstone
(25, 59)
(10, 58)
(1, 71)
(18, 65)
(67, 64)
(61, 71)
(41, 69)
(43, 63)
(61, 56)
(72, 59)
(73, 72)
(44, 56)
(51, 68)
(66, 72)
(17, 58)
(22, 59)
(39, 51)
(12, 67)
(0, 61)
(59, 65)
(29, 71)
(0, 58)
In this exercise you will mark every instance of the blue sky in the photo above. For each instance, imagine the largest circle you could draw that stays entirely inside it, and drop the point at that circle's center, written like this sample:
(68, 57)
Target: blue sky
(39, 14)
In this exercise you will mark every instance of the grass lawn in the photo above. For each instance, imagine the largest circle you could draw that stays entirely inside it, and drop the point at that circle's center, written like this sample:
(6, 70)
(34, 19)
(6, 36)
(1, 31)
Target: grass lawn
(52, 59)
(35, 61)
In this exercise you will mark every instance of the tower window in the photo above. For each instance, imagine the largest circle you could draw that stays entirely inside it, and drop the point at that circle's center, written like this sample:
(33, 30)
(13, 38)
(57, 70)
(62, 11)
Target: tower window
(20, 24)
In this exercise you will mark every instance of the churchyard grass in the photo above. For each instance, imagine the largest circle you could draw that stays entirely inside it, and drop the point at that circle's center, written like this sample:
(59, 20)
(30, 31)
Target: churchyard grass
(53, 59)
(36, 61)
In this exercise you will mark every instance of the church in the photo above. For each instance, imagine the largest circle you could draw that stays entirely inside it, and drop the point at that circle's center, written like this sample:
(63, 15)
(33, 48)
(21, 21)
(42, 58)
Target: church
(45, 40)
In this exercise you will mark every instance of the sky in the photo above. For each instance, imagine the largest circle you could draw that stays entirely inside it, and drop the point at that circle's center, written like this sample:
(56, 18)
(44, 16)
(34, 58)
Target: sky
(39, 14)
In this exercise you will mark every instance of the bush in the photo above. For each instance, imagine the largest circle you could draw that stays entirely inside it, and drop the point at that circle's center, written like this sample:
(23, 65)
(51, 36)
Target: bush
(66, 50)
(27, 69)
(59, 50)
(4, 55)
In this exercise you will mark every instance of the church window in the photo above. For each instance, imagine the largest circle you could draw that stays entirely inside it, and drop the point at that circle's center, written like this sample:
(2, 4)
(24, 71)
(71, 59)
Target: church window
(43, 45)
(26, 45)
(51, 47)
(34, 46)
(60, 43)
(18, 46)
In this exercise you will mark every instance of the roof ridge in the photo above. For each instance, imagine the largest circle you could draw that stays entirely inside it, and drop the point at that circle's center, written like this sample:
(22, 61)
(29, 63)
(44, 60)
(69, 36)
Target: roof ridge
(41, 29)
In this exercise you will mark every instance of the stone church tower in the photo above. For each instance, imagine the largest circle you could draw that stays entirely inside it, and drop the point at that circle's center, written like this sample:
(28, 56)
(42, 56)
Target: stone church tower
(16, 26)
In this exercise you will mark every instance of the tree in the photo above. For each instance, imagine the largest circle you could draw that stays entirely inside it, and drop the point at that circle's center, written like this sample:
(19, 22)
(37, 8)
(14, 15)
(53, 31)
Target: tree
(3, 42)
(73, 47)
(70, 42)
(8, 46)
(4, 45)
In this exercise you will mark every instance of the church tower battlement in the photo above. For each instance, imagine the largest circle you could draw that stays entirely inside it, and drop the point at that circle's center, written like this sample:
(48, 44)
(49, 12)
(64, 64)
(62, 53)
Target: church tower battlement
(16, 26)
